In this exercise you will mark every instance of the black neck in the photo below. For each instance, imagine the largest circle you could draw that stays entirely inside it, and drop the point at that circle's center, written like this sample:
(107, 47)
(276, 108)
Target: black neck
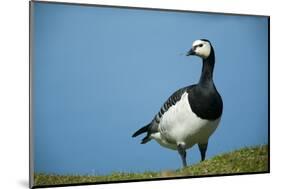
(207, 70)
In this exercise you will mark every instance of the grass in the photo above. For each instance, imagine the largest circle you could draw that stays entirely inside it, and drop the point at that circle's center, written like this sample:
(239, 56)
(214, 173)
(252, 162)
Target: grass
(246, 160)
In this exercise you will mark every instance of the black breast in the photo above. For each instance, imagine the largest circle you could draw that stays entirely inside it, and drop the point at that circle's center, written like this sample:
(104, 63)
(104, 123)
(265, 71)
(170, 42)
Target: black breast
(206, 103)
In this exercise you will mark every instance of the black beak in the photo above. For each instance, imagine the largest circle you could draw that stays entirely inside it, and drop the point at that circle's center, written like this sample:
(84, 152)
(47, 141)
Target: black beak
(190, 52)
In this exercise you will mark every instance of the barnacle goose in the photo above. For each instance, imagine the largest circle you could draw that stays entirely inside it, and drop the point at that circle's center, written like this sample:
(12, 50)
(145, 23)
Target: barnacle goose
(191, 114)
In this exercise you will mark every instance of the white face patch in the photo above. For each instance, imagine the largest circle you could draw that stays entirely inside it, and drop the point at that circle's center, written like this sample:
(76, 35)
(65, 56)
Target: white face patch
(201, 48)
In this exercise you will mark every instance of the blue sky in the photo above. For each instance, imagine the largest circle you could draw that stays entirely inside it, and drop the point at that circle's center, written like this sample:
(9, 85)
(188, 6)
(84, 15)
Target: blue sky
(99, 74)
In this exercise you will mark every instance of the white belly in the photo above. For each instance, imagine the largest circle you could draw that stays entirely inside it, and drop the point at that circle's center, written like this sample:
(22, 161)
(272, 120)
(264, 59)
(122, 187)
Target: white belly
(179, 125)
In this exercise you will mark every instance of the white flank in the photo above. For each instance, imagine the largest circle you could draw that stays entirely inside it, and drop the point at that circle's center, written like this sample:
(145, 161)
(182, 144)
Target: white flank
(179, 125)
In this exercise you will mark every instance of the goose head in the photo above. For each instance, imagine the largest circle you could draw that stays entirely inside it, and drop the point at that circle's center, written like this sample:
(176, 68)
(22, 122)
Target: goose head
(201, 48)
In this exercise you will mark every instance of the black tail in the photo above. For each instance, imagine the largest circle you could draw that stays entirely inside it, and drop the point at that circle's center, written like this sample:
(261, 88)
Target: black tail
(145, 139)
(141, 130)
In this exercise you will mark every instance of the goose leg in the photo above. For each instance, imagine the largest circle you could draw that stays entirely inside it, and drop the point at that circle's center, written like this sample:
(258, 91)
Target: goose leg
(203, 149)
(182, 153)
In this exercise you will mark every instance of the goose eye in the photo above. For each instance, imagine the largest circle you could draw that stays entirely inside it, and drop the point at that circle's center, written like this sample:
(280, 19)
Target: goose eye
(201, 45)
